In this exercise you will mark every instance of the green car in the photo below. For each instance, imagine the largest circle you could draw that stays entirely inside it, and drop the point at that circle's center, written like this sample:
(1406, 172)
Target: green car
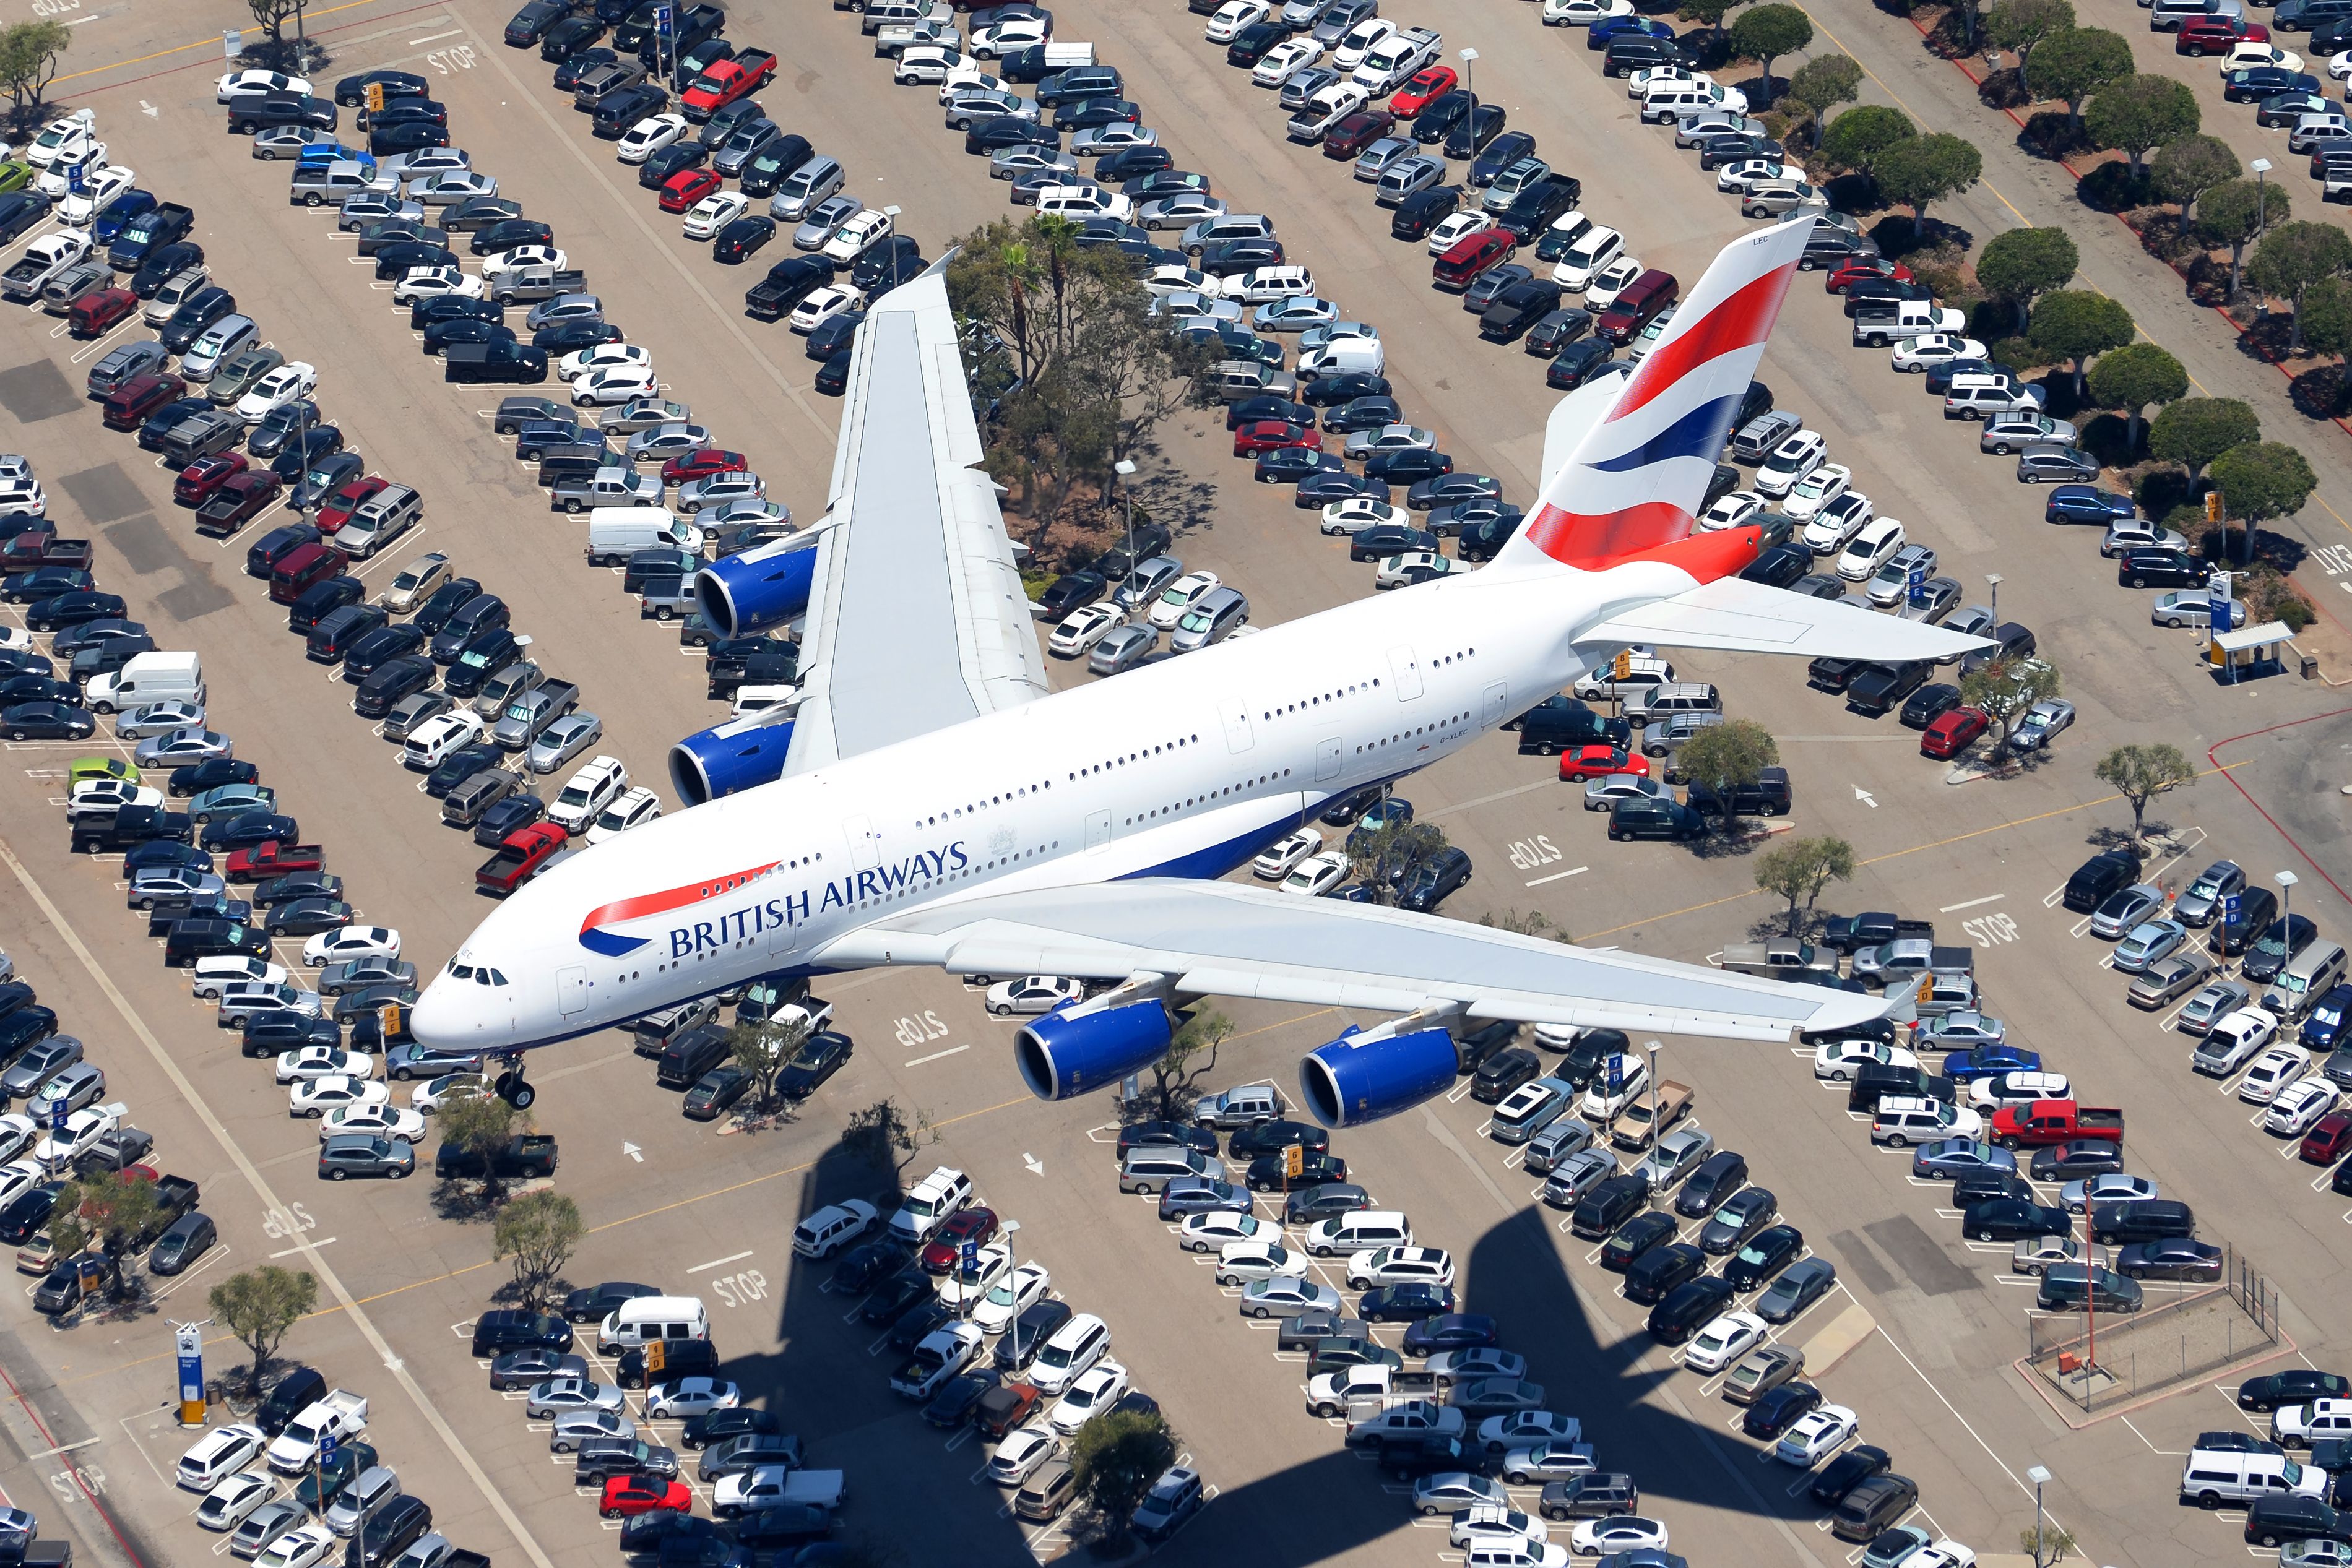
(14, 175)
(83, 768)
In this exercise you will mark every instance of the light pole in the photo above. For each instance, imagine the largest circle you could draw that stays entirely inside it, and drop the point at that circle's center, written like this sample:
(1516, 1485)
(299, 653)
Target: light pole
(1653, 1047)
(1008, 1230)
(2039, 1478)
(2261, 166)
(1992, 581)
(2286, 881)
(1470, 86)
(1125, 469)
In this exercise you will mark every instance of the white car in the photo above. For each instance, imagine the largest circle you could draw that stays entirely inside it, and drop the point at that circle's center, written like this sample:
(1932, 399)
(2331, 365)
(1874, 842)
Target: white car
(1285, 60)
(1608, 281)
(98, 796)
(2010, 1088)
(1640, 83)
(306, 1062)
(2110, 1187)
(596, 785)
(1318, 873)
(1217, 1229)
(1240, 1262)
(650, 135)
(2297, 1106)
(302, 1547)
(1743, 173)
(715, 211)
(1098, 1388)
(1735, 510)
(822, 306)
(1400, 1266)
(851, 239)
(2248, 53)
(2270, 1071)
(431, 742)
(1837, 1060)
(1404, 570)
(433, 1094)
(380, 1120)
(602, 357)
(1082, 629)
(1725, 1341)
(682, 1397)
(353, 942)
(523, 257)
(257, 84)
(1231, 18)
(964, 1285)
(633, 809)
(1274, 863)
(1033, 994)
(235, 1497)
(1361, 40)
(556, 1396)
(1011, 1296)
(1004, 38)
(1816, 490)
(1021, 1455)
(1622, 1532)
(1356, 512)
(1791, 461)
(1499, 1535)
(2042, 722)
(434, 283)
(289, 382)
(2237, 1037)
(66, 1144)
(99, 186)
(1871, 548)
(1583, 13)
(1454, 229)
(219, 1454)
(1817, 1434)
(211, 976)
(605, 388)
(336, 1092)
(1926, 352)
(1178, 597)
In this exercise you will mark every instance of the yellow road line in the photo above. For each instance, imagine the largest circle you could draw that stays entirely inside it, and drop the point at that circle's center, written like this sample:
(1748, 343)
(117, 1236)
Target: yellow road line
(205, 42)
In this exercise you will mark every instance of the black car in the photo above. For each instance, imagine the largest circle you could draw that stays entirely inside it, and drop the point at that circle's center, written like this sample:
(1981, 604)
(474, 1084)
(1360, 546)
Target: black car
(1930, 702)
(1575, 364)
(1451, 1331)
(1267, 1173)
(1070, 592)
(917, 1324)
(2078, 1157)
(951, 1406)
(509, 815)
(2154, 568)
(1766, 1254)
(274, 1034)
(505, 1330)
(1779, 1409)
(2014, 1220)
(1274, 1137)
(1030, 1331)
(1635, 1238)
(1609, 1206)
(1431, 881)
(1687, 1307)
(1322, 1202)
(1503, 1072)
(1658, 1271)
(1384, 539)
(1342, 386)
(1404, 1303)
(1422, 210)
(1742, 1215)
(196, 778)
(894, 1296)
(380, 647)
(819, 1058)
(1846, 1471)
(297, 885)
(2272, 1521)
(718, 1426)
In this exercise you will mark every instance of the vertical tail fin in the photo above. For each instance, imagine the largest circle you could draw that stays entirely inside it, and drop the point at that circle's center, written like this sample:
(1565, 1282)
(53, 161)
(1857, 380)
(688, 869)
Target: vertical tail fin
(1635, 484)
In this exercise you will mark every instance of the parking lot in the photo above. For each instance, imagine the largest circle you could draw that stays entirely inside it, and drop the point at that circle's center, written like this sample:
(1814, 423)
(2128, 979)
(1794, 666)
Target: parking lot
(1919, 1338)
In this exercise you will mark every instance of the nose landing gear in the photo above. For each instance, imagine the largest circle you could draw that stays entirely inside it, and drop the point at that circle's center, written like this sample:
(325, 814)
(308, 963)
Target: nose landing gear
(510, 1084)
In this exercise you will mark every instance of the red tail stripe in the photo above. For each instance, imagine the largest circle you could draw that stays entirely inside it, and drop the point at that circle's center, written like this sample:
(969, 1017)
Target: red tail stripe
(1595, 541)
(1741, 321)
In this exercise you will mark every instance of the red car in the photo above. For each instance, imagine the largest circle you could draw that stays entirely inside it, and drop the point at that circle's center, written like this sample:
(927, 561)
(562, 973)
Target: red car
(201, 478)
(1468, 257)
(1582, 762)
(2328, 1138)
(1853, 272)
(339, 507)
(1273, 436)
(964, 1225)
(702, 463)
(240, 499)
(1357, 131)
(1427, 83)
(685, 187)
(139, 396)
(1951, 733)
(2203, 35)
(92, 314)
(625, 1497)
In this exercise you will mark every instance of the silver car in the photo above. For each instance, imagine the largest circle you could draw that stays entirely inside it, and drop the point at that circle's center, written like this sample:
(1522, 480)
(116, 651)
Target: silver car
(1376, 160)
(823, 218)
(374, 206)
(2202, 902)
(1143, 584)
(1011, 163)
(1578, 1176)
(1678, 1153)
(71, 1087)
(2049, 462)
(644, 413)
(2006, 433)
(159, 718)
(564, 739)
(1892, 586)
(1304, 85)
(39, 1065)
(1408, 177)
(180, 746)
(1553, 1147)
(411, 714)
(2181, 607)
(577, 1426)
(2208, 1006)
(667, 441)
(743, 146)
(2166, 978)
(1178, 211)
(1123, 649)
(2124, 910)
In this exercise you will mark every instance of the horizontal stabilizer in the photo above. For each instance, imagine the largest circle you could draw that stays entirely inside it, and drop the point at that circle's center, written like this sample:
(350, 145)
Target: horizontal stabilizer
(1735, 616)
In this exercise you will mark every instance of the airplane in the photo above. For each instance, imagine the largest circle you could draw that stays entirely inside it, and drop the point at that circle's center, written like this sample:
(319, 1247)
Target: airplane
(929, 801)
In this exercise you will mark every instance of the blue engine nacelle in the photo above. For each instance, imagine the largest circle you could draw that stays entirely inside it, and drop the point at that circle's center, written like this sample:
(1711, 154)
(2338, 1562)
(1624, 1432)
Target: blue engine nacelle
(738, 756)
(761, 588)
(1360, 1078)
(1061, 1055)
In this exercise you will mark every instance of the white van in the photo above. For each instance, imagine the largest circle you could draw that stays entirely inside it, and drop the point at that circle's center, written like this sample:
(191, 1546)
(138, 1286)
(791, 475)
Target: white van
(1368, 355)
(926, 1209)
(2304, 981)
(829, 1229)
(1354, 1231)
(152, 677)
(616, 533)
(2212, 1479)
(649, 1319)
(1061, 57)
(1075, 1346)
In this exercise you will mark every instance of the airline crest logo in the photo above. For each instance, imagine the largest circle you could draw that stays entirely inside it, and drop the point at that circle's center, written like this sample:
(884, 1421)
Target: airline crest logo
(622, 912)
(735, 921)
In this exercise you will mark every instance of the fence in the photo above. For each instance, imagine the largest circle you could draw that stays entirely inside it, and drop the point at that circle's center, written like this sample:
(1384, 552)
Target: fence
(2102, 1360)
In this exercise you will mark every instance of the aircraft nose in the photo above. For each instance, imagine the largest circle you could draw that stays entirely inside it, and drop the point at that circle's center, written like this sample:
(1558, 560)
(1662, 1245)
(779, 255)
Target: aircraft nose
(439, 1016)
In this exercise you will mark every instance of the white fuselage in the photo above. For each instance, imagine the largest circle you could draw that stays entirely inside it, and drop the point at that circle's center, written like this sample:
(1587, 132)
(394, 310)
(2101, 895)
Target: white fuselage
(1186, 768)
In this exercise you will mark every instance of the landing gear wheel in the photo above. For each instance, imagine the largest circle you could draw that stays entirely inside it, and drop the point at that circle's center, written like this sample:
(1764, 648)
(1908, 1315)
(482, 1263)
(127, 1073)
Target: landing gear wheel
(513, 1089)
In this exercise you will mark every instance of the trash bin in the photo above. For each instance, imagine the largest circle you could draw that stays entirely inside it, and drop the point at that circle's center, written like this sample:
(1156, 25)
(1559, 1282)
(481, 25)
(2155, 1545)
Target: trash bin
(2310, 667)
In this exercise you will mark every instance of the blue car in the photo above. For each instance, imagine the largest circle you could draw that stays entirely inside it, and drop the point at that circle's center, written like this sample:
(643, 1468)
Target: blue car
(1947, 1159)
(1989, 1061)
(1596, 37)
(2325, 1027)
(2088, 504)
(107, 227)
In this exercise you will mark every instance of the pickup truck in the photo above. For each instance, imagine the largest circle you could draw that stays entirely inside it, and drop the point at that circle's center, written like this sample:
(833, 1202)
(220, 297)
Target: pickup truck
(1391, 62)
(129, 826)
(149, 231)
(175, 1195)
(940, 1355)
(527, 713)
(1635, 1129)
(167, 913)
(1899, 963)
(1871, 926)
(537, 283)
(724, 82)
(1413, 1419)
(2040, 1122)
(44, 259)
(519, 857)
(30, 551)
(338, 1414)
(1878, 322)
(613, 487)
(1338, 1392)
(1784, 960)
(271, 858)
(118, 1150)
(528, 1155)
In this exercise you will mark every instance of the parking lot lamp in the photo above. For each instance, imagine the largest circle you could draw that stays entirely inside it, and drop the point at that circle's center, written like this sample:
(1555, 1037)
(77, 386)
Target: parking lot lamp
(2286, 881)
(2039, 1476)
(1125, 469)
(1470, 86)
(1992, 581)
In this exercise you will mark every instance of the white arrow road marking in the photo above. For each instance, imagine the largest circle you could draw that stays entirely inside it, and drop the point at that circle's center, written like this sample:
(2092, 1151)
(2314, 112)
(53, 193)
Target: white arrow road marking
(1037, 1166)
(632, 1150)
(1865, 797)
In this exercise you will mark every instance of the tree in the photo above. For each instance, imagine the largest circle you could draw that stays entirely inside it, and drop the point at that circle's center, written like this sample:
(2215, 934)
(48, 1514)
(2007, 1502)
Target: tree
(275, 14)
(29, 52)
(2019, 265)
(1176, 1076)
(2137, 114)
(2290, 258)
(883, 1137)
(109, 1211)
(2004, 689)
(1723, 757)
(1858, 136)
(2018, 26)
(2140, 773)
(1708, 13)
(482, 1125)
(1821, 83)
(537, 1232)
(2132, 377)
(2327, 316)
(1116, 1458)
(2186, 169)
(2235, 212)
(1525, 923)
(1384, 857)
(760, 1051)
(2075, 323)
(2261, 480)
(1800, 870)
(2196, 430)
(1765, 34)
(2074, 64)
(259, 1305)
(1920, 169)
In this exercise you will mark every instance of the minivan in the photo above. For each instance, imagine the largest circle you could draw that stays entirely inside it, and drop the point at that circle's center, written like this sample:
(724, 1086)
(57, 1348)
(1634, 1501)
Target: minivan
(2304, 980)
(1357, 1232)
(804, 187)
(651, 1318)
(1215, 616)
(2140, 1219)
(1075, 1346)
(1645, 706)
(924, 1210)
(190, 1236)
(308, 565)
(2065, 1287)
(176, 291)
(357, 1502)
(1152, 1168)
(1528, 1110)
(1046, 1494)
(1656, 818)
(686, 1059)
(229, 336)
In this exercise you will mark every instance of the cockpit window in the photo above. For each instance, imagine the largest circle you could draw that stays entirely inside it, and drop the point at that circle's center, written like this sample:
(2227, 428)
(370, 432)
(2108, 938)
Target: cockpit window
(497, 976)
(460, 971)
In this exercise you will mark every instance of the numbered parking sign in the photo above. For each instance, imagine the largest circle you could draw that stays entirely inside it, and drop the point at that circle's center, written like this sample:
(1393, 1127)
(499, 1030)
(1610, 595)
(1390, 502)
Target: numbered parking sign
(78, 178)
(326, 1450)
(970, 1255)
(1616, 1073)
(57, 1114)
(2229, 910)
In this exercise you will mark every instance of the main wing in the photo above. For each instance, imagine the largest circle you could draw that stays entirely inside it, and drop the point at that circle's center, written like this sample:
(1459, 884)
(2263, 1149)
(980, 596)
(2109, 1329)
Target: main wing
(1227, 939)
(917, 617)
(1733, 615)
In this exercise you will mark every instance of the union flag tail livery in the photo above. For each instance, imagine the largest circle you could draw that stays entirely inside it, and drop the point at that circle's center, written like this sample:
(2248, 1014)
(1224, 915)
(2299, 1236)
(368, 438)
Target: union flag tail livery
(1632, 487)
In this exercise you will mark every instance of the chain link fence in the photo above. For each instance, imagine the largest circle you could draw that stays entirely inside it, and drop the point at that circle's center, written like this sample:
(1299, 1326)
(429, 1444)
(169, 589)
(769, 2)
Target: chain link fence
(2182, 1333)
